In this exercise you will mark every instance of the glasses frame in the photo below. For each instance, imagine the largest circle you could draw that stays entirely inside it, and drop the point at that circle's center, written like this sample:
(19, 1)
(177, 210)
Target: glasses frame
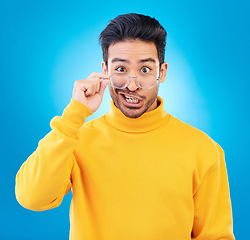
(137, 83)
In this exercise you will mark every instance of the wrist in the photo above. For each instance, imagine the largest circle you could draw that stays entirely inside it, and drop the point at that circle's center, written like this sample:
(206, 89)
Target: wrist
(76, 113)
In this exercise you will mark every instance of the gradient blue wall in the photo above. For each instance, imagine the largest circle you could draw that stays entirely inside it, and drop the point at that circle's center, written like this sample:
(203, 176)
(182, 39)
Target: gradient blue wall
(46, 45)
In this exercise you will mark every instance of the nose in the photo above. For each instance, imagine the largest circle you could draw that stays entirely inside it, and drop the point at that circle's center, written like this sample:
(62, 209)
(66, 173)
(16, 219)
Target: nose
(132, 85)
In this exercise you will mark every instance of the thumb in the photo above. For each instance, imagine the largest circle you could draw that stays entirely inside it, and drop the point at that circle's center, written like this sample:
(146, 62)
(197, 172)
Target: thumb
(103, 85)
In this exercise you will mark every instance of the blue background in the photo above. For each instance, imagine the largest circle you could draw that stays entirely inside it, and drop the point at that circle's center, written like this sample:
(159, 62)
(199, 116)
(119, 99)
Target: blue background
(47, 45)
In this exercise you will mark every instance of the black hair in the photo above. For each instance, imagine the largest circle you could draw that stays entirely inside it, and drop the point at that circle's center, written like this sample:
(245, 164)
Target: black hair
(133, 26)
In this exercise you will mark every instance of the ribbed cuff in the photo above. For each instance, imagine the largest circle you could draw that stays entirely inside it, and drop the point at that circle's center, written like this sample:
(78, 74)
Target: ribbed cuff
(76, 113)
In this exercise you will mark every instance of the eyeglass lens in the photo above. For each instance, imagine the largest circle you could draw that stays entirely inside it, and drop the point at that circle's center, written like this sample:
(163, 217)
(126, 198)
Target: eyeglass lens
(120, 80)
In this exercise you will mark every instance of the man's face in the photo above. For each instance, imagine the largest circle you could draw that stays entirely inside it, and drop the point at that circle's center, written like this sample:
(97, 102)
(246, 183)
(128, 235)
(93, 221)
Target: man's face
(134, 57)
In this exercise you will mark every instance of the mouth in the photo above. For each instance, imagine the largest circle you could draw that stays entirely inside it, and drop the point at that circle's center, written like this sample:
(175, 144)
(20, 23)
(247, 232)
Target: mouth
(131, 100)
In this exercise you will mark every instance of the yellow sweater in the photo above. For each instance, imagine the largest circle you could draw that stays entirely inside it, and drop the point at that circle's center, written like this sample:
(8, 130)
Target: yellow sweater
(150, 178)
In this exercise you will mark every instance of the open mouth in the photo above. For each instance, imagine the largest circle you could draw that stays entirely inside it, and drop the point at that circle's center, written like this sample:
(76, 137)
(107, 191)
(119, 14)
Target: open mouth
(130, 100)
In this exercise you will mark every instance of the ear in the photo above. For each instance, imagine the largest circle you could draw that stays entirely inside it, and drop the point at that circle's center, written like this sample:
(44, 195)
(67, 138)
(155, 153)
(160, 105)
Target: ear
(104, 68)
(163, 73)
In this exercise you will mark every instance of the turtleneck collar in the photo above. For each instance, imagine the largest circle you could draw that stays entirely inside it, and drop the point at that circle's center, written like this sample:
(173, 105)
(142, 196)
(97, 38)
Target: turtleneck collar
(146, 122)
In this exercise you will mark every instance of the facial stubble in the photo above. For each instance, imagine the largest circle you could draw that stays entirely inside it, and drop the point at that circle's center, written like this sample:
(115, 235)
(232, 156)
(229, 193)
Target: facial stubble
(133, 114)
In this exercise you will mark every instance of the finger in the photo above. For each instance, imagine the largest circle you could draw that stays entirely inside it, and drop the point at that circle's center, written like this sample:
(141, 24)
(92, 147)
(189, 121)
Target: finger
(90, 89)
(96, 82)
(98, 75)
(87, 87)
(93, 84)
(103, 85)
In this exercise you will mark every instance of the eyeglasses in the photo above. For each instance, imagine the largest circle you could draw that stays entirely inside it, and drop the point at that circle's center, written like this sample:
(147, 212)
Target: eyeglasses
(122, 80)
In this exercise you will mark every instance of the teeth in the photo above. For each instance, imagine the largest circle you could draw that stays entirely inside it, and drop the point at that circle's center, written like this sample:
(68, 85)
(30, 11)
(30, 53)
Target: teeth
(131, 99)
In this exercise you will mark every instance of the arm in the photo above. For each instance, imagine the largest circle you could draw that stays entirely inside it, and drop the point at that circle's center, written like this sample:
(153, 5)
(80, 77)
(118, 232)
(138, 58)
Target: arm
(44, 178)
(212, 204)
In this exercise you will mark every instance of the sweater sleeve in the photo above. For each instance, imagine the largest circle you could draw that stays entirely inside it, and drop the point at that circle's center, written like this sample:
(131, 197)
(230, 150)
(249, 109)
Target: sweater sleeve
(212, 204)
(44, 178)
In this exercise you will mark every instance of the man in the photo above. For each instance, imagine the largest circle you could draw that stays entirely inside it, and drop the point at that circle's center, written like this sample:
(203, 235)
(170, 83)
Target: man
(136, 172)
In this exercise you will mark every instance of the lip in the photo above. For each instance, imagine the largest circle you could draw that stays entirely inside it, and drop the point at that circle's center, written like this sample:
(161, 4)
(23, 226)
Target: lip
(127, 104)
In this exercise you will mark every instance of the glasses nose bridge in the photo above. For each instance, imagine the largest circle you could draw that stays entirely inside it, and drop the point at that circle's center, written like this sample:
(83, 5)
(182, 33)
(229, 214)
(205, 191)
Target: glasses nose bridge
(131, 78)
(134, 83)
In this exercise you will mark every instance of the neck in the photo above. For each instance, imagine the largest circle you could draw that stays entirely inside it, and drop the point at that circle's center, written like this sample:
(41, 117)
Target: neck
(148, 121)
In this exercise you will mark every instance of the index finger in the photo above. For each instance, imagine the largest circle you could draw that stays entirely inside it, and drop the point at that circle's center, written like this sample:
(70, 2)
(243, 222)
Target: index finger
(98, 75)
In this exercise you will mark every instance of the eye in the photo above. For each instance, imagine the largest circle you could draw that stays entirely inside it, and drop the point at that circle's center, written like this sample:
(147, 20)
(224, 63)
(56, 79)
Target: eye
(145, 70)
(120, 69)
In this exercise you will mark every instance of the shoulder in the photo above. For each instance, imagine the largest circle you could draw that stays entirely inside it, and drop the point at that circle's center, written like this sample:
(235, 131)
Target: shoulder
(188, 132)
(202, 152)
(196, 140)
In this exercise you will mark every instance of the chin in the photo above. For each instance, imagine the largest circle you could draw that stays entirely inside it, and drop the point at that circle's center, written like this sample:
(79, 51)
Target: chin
(132, 113)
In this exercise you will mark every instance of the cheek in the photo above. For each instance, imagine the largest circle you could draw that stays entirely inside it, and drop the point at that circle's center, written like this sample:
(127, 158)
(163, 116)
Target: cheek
(153, 94)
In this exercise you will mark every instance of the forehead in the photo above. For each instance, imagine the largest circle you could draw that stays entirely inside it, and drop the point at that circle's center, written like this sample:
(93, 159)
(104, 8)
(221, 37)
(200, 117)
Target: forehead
(133, 51)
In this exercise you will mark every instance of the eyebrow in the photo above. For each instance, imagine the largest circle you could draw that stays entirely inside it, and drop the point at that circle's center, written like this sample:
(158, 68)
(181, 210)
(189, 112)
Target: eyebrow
(147, 60)
(126, 61)
(119, 60)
